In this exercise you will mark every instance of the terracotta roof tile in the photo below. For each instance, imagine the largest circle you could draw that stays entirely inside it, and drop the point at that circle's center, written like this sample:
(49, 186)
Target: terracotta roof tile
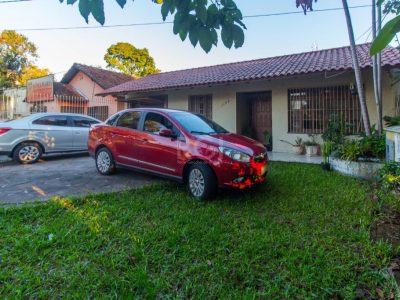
(105, 78)
(335, 59)
(65, 91)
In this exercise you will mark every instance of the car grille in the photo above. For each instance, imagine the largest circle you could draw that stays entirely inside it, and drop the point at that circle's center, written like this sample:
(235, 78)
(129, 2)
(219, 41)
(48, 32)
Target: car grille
(261, 157)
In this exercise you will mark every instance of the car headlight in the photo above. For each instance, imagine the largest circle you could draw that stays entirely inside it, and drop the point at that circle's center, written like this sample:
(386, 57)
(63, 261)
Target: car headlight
(235, 154)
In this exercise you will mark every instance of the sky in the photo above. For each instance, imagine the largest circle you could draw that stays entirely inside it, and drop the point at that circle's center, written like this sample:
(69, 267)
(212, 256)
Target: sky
(265, 36)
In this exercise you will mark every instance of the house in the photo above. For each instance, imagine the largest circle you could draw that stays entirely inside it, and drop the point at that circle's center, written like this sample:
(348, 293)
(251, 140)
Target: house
(89, 81)
(76, 93)
(287, 96)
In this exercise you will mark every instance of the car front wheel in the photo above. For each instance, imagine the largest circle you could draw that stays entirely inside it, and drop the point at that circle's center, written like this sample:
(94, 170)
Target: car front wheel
(201, 182)
(27, 153)
(105, 162)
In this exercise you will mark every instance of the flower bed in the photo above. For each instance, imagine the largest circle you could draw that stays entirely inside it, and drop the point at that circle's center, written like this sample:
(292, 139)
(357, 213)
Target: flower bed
(359, 169)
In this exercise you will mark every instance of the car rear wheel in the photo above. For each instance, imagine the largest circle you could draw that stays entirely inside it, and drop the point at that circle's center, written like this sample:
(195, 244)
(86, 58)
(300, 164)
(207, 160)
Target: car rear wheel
(104, 162)
(27, 153)
(201, 182)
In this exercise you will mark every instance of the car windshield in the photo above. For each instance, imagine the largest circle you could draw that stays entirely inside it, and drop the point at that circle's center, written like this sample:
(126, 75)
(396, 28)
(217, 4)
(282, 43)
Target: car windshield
(197, 124)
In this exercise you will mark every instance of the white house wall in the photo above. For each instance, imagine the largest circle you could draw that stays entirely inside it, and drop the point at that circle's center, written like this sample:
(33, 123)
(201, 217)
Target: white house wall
(228, 112)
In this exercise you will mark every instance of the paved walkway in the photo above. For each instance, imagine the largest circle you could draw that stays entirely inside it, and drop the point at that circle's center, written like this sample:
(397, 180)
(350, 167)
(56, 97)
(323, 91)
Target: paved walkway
(71, 175)
(291, 157)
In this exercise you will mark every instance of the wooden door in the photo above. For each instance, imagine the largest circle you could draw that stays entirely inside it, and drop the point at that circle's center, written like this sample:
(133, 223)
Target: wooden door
(261, 115)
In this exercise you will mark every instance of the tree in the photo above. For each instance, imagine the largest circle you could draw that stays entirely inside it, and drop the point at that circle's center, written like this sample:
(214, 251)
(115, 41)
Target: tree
(376, 66)
(130, 60)
(200, 20)
(391, 28)
(32, 72)
(17, 57)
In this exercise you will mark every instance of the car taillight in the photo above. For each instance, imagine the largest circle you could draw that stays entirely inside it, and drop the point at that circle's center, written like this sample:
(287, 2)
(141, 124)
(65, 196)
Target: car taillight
(4, 130)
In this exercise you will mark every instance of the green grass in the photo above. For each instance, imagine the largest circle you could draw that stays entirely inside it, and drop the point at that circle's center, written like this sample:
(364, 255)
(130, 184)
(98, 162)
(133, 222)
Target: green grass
(303, 234)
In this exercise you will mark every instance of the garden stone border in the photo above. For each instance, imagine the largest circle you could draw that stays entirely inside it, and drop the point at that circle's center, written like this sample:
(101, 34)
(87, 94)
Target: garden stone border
(362, 170)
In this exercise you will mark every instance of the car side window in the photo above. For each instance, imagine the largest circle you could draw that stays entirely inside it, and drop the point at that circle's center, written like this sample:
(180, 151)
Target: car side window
(83, 122)
(52, 121)
(112, 119)
(154, 123)
(129, 120)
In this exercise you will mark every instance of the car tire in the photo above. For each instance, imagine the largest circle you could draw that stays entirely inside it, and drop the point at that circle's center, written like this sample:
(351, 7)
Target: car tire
(105, 162)
(27, 153)
(201, 181)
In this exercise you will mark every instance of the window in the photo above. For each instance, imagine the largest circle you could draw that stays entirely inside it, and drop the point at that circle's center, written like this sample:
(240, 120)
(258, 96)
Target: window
(73, 109)
(154, 123)
(98, 112)
(129, 120)
(197, 124)
(201, 104)
(112, 119)
(310, 109)
(83, 122)
(52, 121)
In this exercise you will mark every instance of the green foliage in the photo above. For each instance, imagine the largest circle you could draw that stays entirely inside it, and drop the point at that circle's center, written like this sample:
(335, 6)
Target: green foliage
(388, 32)
(128, 59)
(302, 235)
(17, 54)
(335, 132)
(391, 175)
(326, 151)
(392, 121)
(199, 19)
(350, 150)
(312, 141)
(367, 147)
(373, 146)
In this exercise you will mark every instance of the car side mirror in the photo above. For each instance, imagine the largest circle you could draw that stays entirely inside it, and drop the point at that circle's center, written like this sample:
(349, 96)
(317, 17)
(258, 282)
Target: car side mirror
(165, 132)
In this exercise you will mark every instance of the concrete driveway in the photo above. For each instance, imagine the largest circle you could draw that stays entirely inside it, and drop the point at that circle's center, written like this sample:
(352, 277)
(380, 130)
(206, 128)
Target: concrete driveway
(61, 176)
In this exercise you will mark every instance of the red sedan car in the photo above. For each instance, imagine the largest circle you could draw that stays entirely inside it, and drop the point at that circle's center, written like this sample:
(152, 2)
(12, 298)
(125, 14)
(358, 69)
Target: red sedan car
(179, 145)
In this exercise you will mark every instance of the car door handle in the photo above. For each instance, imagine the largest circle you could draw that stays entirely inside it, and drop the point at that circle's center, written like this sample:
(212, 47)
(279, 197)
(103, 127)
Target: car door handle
(144, 140)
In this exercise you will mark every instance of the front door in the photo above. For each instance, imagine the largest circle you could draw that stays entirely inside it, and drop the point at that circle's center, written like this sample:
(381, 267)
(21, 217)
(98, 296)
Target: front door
(261, 116)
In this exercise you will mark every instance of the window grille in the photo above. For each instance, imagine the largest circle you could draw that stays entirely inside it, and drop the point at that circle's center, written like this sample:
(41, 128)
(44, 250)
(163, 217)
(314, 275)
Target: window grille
(311, 108)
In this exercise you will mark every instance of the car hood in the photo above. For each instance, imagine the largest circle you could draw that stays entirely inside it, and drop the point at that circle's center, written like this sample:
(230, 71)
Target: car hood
(234, 141)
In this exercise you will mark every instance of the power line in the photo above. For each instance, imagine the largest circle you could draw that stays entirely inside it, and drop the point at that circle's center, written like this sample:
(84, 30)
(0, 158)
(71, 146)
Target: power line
(170, 22)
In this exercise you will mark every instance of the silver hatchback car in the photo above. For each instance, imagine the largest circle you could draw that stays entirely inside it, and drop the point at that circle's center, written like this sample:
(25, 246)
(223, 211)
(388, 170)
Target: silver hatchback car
(27, 139)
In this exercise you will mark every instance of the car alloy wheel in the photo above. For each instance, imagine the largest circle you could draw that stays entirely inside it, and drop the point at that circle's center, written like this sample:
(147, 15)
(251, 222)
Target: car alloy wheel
(104, 162)
(196, 183)
(28, 153)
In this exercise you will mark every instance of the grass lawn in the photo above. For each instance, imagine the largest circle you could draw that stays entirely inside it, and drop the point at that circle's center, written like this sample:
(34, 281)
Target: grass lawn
(303, 234)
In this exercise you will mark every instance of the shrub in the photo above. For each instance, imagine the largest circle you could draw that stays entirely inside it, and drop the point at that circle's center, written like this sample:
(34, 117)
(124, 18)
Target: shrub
(350, 150)
(335, 132)
(373, 146)
(391, 175)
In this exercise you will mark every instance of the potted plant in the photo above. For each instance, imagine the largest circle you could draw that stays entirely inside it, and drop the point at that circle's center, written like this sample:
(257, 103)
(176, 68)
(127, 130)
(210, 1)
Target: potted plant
(297, 147)
(312, 146)
(326, 150)
(268, 141)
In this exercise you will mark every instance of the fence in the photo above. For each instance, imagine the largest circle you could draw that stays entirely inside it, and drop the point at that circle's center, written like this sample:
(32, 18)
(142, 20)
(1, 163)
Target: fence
(13, 106)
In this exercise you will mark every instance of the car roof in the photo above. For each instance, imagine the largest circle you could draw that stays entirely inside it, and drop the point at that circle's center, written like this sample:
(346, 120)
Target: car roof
(38, 115)
(152, 109)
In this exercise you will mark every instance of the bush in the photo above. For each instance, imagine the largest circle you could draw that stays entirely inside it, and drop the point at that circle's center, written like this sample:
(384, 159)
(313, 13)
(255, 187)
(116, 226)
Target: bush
(391, 175)
(335, 132)
(373, 146)
(350, 150)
